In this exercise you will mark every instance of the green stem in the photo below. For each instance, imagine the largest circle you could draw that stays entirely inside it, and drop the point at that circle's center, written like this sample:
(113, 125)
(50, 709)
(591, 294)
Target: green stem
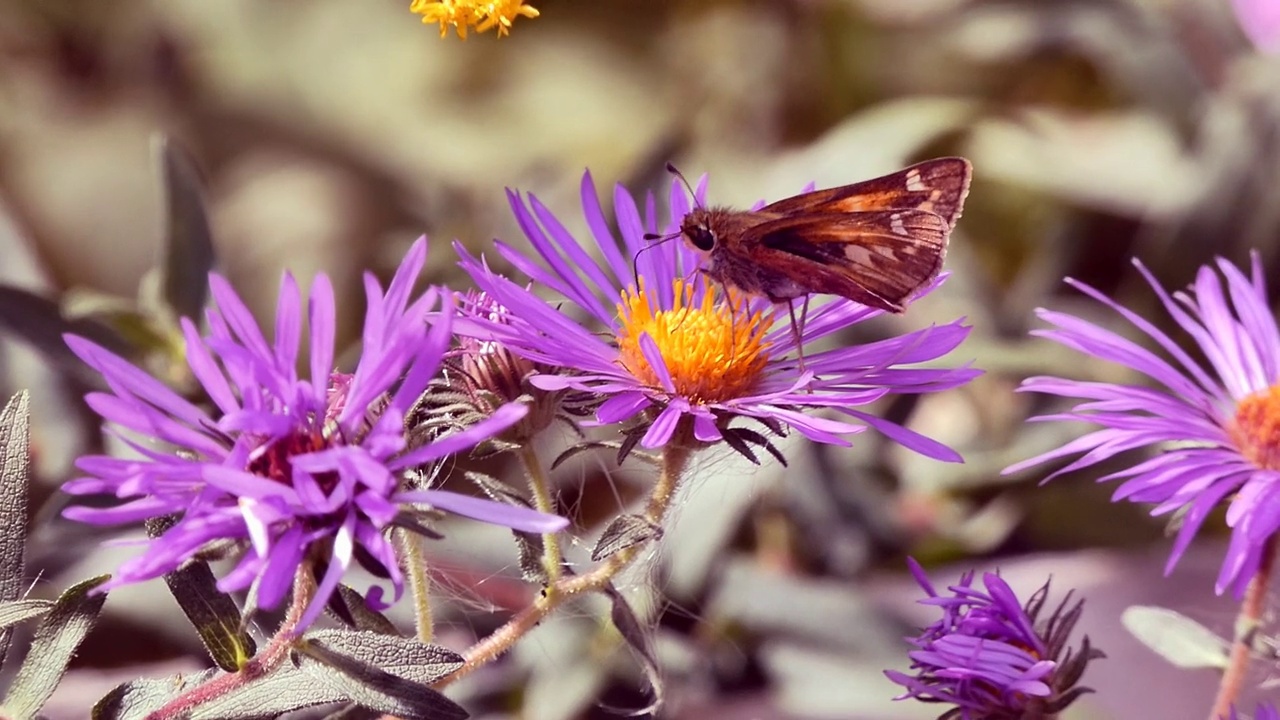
(543, 502)
(1247, 624)
(675, 458)
(419, 584)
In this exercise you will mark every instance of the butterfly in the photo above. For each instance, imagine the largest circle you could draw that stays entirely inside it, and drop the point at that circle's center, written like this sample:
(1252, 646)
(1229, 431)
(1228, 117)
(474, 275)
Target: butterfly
(877, 242)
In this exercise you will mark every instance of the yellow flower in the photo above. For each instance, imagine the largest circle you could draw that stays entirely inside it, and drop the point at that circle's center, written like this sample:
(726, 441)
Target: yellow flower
(463, 14)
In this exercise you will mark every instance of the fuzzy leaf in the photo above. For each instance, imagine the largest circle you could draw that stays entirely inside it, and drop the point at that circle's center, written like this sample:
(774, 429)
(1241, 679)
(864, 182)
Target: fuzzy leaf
(497, 490)
(55, 642)
(529, 545)
(380, 672)
(531, 551)
(624, 532)
(633, 633)
(135, 699)
(12, 613)
(285, 690)
(187, 254)
(15, 475)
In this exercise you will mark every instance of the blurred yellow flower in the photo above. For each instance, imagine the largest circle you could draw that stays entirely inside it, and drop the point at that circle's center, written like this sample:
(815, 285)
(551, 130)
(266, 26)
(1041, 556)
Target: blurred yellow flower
(463, 14)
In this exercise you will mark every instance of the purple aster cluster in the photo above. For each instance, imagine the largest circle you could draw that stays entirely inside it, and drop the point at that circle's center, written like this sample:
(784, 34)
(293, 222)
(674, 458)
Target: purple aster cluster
(992, 657)
(676, 353)
(1216, 425)
(298, 470)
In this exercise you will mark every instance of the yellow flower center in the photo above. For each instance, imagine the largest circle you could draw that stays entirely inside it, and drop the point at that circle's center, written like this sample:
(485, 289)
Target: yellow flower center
(713, 351)
(1256, 429)
(464, 14)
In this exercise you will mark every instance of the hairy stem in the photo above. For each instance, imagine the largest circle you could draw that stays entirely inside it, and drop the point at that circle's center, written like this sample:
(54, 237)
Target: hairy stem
(675, 458)
(419, 584)
(262, 664)
(542, 501)
(1247, 623)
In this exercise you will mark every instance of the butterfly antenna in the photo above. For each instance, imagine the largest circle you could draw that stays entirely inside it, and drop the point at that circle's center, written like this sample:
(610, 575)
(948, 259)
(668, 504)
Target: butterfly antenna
(675, 171)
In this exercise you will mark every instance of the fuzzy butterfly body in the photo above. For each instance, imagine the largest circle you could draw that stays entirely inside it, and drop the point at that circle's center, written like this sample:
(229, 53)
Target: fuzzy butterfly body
(876, 242)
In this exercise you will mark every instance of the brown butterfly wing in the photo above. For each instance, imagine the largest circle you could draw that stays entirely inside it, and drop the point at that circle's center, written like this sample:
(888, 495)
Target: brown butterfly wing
(938, 186)
(879, 258)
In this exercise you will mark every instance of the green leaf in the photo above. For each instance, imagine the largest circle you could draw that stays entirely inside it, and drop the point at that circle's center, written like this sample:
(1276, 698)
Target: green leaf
(188, 244)
(55, 642)
(213, 613)
(383, 673)
(12, 613)
(15, 476)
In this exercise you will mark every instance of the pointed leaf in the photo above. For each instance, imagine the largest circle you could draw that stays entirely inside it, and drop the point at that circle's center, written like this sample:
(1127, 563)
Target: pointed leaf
(624, 532)
(633, 633)
(498, 490)
(213, 613)
(135, 699)
(531, 551)
(15, 475)
(284, 690)
(39, 321)
(354, 712)
(1175, 637)
(55, 642)
(383, 673)
(187, 254)
(12, 613)
(350, 607)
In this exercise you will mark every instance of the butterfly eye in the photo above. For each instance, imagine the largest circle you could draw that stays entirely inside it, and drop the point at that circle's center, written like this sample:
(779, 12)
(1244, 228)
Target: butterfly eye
(701, 237)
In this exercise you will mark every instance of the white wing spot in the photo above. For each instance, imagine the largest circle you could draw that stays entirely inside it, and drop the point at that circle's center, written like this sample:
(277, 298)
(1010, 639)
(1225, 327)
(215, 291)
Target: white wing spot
(914, 182)
(897, 226)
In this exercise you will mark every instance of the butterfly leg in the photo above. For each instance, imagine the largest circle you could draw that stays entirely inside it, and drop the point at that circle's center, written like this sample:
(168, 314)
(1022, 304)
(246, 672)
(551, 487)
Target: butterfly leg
(795, 328)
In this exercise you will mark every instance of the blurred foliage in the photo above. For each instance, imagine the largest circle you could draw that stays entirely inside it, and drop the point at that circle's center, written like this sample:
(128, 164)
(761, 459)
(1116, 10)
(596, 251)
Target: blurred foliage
(330, 134)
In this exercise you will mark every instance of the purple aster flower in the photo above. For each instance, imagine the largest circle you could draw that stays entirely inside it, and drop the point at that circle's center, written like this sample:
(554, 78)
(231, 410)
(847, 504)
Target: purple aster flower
(1264, 711)
(676, 351)
(302, 470)
(1260, 20)
(990, 656)
(1217, 427)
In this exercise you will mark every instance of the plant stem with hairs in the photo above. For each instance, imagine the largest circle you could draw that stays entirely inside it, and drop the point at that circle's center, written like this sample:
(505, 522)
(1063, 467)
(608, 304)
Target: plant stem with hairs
(1246, 629)
(675, 458)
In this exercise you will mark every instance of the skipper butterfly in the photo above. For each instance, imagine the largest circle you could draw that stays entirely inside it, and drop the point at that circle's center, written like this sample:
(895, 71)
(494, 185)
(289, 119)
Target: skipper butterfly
(876, 242)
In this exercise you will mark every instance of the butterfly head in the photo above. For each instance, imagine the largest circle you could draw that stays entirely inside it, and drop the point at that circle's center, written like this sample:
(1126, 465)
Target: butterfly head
(697, 231)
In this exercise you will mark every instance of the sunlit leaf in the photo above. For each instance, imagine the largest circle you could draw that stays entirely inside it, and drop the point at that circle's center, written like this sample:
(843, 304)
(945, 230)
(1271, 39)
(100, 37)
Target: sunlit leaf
(12, 613)
(1175, 637)
(213, 613)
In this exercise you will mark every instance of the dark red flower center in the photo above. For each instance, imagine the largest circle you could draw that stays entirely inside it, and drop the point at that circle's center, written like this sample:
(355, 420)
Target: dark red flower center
(276, 462)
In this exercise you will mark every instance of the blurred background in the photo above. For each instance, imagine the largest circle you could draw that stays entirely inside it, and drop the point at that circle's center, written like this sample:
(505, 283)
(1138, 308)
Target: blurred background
(329, 134)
